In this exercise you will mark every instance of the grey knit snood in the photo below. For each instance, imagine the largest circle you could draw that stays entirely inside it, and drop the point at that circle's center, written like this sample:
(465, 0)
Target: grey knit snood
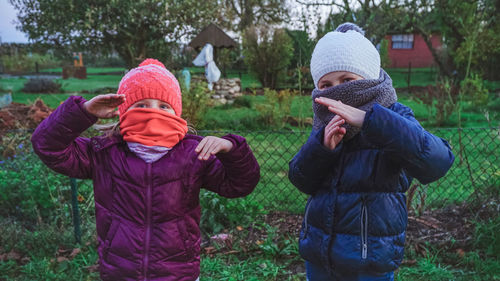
(362, 94)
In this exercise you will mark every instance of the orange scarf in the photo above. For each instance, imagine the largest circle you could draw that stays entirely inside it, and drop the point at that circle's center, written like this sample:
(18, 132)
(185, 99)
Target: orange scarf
(152, 127)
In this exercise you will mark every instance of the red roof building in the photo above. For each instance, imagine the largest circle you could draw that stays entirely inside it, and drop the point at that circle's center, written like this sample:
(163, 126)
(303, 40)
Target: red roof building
(411, 48)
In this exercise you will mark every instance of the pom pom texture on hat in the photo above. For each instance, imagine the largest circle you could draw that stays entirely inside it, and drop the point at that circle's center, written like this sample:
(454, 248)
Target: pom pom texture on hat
(150, 80)
(345, 49)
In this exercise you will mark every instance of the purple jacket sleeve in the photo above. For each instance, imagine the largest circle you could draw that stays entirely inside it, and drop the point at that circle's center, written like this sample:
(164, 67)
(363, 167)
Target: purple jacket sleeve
(56, 139)
(232, 174)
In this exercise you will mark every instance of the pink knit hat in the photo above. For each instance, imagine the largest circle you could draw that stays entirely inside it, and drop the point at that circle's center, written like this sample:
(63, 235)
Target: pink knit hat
(150, 80)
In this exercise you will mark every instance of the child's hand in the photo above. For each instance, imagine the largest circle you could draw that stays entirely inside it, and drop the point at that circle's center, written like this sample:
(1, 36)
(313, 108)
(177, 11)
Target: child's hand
(333, 132)
(212, 145)
(352, 115)
(103, 106)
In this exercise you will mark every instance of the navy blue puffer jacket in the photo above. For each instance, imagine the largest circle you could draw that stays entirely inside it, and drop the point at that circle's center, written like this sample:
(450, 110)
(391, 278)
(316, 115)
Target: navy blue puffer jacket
(356, 215)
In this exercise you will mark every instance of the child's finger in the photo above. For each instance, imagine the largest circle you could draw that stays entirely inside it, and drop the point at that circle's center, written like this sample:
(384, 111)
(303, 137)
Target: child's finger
(205, 152)
(339, 111)
(329, 135)
(215, 149)
(210, 149)
(200, 145)
(324, 101)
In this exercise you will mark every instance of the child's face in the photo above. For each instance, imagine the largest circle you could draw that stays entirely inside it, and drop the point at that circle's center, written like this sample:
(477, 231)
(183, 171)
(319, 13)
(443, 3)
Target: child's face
(153, 103)
(336, 78)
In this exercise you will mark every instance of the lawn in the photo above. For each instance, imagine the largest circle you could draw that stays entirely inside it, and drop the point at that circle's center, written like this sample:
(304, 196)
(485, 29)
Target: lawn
(90, 70)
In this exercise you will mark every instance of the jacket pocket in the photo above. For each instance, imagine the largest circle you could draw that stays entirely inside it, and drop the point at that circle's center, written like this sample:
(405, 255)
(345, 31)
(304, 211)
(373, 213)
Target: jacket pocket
(186, 243)
(113, 228)
(305, 228)
(364, 228)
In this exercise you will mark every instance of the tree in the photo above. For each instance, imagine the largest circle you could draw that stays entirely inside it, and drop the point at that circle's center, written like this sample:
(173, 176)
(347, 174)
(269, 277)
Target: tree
(242, 14)
(267, 53)
(469, 29)
(135, 29)
(375, 17)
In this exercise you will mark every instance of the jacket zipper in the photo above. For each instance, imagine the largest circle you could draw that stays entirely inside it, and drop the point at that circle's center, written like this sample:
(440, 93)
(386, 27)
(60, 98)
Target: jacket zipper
(148, 222)
(364, 229)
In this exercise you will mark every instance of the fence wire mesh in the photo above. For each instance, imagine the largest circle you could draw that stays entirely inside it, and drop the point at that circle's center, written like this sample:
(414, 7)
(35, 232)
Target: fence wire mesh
(26, 184)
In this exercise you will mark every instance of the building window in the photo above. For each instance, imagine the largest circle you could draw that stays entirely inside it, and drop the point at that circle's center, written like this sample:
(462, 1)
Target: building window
(402, 41)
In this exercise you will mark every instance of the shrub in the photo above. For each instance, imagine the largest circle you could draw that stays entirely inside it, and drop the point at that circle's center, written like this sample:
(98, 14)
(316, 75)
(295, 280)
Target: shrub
(443, 98)
(41, 85)
(385, 60)
(219, 213)
(277, 108)
(473, 89)
(195, 102)
(242, 101)
(267, 53)
(27, 62)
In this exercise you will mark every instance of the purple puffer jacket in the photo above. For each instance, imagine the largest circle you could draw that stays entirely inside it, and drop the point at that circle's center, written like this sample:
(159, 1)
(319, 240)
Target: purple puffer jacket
(147, 214)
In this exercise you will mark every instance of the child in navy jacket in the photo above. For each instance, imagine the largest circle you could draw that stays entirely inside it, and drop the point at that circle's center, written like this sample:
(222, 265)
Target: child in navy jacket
(364, 150)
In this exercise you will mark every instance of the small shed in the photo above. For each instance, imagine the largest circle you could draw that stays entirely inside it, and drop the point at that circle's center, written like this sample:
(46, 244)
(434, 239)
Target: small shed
(410, 49)
(214, 35)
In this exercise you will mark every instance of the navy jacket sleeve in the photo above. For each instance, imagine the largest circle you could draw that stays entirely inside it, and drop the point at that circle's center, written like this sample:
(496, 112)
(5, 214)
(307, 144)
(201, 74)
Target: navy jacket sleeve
(423, 155)
(309, 168)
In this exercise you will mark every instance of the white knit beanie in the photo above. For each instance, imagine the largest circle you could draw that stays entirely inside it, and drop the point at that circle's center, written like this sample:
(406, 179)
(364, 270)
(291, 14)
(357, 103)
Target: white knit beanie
(345, 49)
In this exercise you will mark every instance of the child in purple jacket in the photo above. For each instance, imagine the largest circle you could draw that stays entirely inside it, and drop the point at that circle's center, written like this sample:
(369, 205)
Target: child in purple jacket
(146, 179)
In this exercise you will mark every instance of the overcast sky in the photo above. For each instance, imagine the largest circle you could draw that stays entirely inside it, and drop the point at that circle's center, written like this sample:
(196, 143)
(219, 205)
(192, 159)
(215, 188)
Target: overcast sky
(8, 32)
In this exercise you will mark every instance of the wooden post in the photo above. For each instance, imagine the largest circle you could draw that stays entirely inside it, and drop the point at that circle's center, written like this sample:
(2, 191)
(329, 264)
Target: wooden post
(81, 59)
(76, 211)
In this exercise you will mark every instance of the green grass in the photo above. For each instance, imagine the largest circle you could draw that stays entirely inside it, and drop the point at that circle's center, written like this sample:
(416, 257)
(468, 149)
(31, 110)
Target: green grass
(90, 70)
(418, 76)
(70, 87)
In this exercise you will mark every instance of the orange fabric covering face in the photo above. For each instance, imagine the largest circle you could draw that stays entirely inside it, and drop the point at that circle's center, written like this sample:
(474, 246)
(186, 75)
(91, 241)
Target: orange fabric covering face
(152, 127)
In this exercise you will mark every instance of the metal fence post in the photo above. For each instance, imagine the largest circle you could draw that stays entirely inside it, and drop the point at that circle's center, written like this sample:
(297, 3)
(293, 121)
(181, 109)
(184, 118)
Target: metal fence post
(76, 211)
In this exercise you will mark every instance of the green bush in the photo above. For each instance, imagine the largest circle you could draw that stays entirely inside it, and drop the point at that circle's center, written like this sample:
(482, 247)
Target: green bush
(384, 54)
(242, 101)
(473, 89)
(30, 191)
(220, 213)
(195, 102)
(27, 62)
(41, 85)
(278, 107)
(268, 54)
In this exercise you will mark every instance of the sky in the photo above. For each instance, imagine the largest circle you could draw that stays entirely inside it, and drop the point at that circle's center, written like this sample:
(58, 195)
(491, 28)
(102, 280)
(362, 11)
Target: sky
(8, 32)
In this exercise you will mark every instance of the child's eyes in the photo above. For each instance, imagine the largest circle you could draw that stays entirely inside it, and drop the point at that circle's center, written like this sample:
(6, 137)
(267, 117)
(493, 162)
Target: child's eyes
(324, 86)
(141, 105)
(165, 106)
(347, 80)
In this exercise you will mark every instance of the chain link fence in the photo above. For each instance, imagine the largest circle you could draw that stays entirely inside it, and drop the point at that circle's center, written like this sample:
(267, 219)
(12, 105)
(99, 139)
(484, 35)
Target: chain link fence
(26, 184)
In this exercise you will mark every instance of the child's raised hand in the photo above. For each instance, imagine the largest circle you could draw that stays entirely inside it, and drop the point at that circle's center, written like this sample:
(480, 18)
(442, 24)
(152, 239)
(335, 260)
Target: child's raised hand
(352, 115)
(103, 106)
(210, 145)
(333, 132)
